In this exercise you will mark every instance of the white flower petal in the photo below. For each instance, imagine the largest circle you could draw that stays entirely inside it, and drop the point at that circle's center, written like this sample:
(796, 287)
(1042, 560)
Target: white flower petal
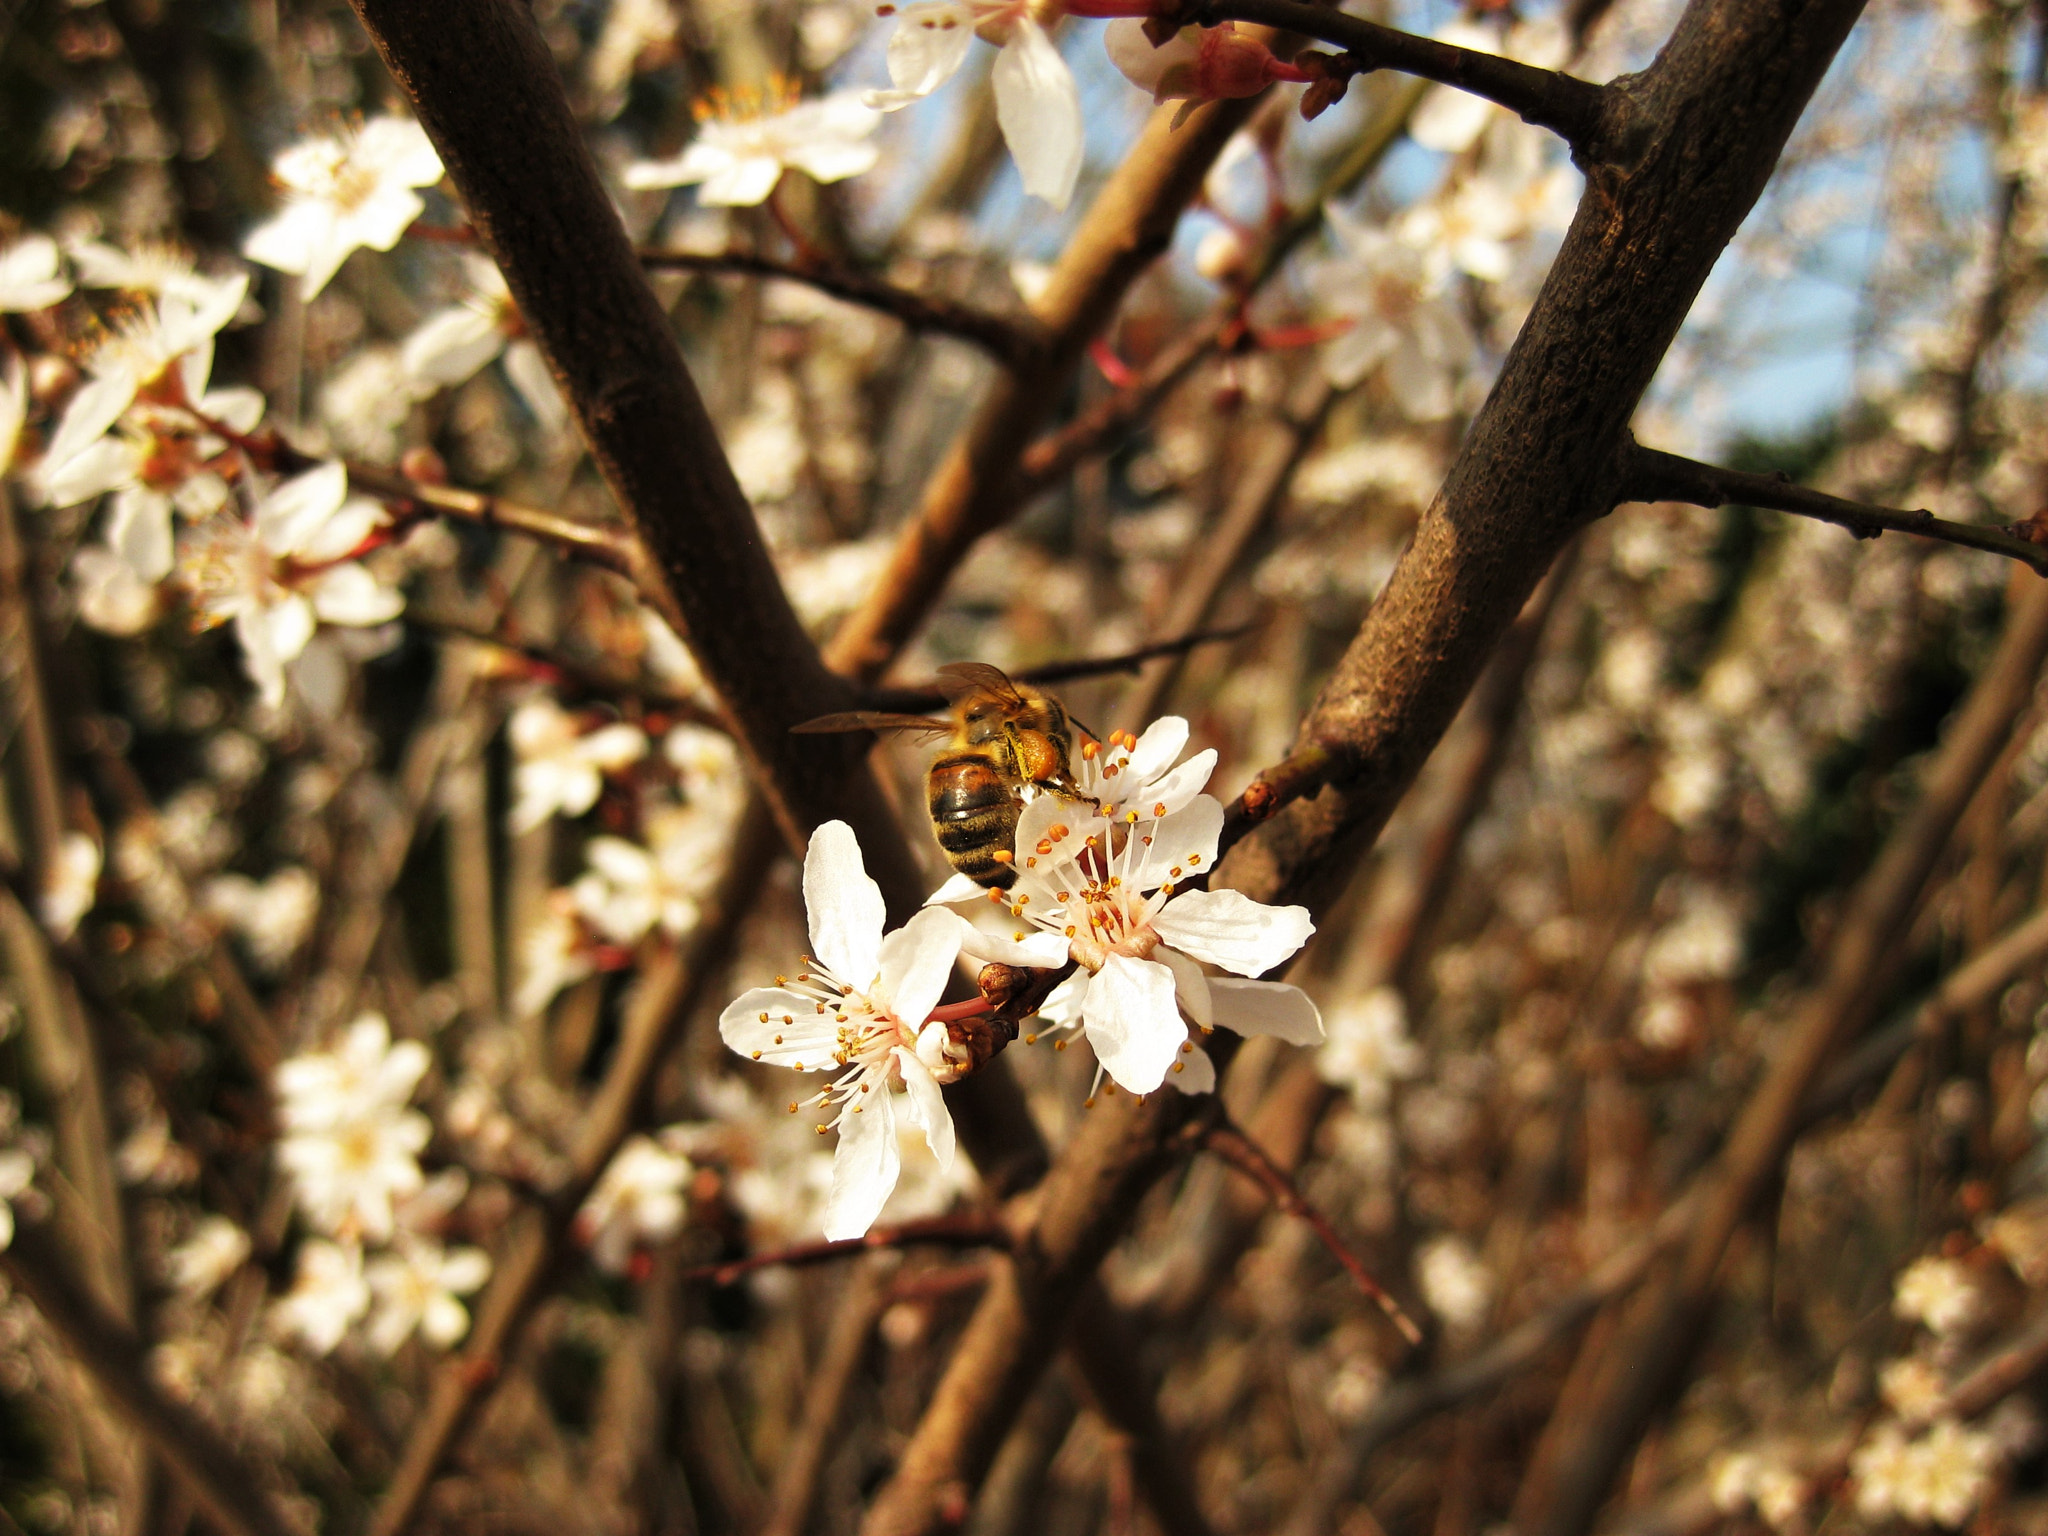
(917, 960)
(288, 518)
(1044, 951)
(1183, 844)
(1229, 929)
(1133, 1022)
(743, 182)
(1196, 1072)
(529, 373)
(1039, 109)
(1190, 986)
(97, 406)
(1177, 788)
(139, 531)
(927, 1106)
(349, 594)
(450, 346)
(928, 46)
(957, 888)
(1266, 1008)
(865, 1167)
(794, 1034)
(1162, 743)
(845, 907)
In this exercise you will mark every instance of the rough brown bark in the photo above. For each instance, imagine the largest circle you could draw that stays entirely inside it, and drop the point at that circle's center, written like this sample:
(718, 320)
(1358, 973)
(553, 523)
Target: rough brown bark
(1541, 461)
(479, 75)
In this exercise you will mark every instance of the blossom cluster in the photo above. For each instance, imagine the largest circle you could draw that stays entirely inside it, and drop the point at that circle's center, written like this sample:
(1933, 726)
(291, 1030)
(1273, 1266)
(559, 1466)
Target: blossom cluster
(1097, 888)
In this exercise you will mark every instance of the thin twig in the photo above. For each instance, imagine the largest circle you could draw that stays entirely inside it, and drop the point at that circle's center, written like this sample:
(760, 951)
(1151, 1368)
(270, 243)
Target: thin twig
(1245, 1155)
(970, 1230)
(1588, 117)
(1011, 342)
(1059, 671)
(613, 548)
(1651, 475)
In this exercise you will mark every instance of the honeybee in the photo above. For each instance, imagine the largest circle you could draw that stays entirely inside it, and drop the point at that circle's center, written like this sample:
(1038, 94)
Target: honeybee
(1005, 735)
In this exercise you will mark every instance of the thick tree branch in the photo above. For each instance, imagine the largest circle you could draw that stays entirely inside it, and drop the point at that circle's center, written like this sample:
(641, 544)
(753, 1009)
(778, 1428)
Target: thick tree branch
(1651, 475)
(1591, 118)
(1538, 463)
(533, 194)
(1010, 342)
(204, 1464)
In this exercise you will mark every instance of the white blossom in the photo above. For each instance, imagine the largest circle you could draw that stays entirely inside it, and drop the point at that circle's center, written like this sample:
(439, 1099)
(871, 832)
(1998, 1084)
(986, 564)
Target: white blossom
(157, 269)
(1937, 1293)
(1368, 1049)
(1105, 891)
(740, 152)
(326, 1297)
(71, 884)
(453, 343)
(419, 1286)
(860, 1009)
(110, 596)
(272, 917)
(351, 1145)
(215, 1249)
(553, 953)
(160, 354)
(561, 767)
(639, 1199)
(344, 191)
(1398, 319)
(286, 568)
(1454, 1281)
(1038, 106)
(1937, 1479)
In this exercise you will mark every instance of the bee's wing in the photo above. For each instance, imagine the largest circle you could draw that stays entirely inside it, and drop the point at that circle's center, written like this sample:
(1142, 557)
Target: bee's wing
(871, 720)
(963, 679)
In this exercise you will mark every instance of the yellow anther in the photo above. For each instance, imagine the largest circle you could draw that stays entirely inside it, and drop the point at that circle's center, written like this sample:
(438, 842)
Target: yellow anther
(757, 1055)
